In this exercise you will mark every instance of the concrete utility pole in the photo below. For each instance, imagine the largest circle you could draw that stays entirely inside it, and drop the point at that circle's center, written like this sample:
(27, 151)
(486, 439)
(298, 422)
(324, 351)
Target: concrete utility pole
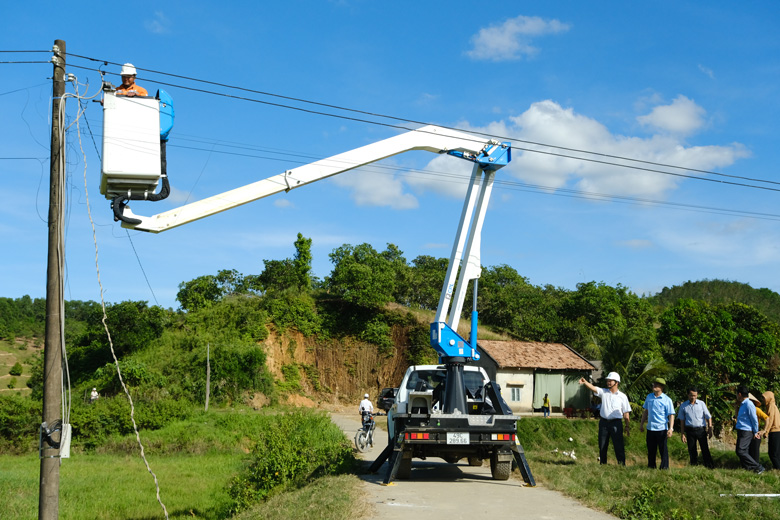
(49, 492)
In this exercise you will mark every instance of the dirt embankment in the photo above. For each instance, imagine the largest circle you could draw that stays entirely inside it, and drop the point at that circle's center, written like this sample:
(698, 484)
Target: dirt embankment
(335, 371)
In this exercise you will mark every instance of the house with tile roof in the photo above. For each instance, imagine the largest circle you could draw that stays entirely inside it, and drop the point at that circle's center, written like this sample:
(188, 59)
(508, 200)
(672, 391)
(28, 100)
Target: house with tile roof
(526, 370)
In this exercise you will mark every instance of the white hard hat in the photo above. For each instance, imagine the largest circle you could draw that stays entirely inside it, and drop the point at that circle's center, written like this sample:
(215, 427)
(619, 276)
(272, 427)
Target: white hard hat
(127, 70)
(613, 376)
(366, 396)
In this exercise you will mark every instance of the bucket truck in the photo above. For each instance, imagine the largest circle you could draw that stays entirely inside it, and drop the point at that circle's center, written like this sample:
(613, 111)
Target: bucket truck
(450, 410)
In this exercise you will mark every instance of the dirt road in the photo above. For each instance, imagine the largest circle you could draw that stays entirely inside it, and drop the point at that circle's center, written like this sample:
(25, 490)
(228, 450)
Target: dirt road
(457, 491)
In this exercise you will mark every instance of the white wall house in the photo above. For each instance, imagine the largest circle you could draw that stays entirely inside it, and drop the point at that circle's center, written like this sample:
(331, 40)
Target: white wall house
(526, 370)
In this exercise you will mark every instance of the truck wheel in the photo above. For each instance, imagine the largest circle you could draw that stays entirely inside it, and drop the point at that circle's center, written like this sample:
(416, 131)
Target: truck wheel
(475, 461)
(500, 469)
(404, 469)
(451, 459)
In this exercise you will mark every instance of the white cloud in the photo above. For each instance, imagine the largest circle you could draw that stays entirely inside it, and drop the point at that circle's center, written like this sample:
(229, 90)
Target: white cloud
(729, 243)
(282, 203)
(511, 40)
(707, 71)
(372, 187)
(682, 117)
(547, 122)
(160, 24)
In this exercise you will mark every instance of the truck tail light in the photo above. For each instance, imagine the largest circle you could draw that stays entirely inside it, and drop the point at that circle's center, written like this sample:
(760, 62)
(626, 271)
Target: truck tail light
(503, 437)
(417, 436)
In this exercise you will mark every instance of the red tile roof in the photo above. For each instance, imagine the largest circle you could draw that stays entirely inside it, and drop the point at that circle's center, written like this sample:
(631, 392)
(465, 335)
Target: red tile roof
(534, 354)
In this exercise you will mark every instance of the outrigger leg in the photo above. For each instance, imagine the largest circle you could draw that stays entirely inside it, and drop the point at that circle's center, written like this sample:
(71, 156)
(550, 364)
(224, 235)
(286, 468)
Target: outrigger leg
(522, 465)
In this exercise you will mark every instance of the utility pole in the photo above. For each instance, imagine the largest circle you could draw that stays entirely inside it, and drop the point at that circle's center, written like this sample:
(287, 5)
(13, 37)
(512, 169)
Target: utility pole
(49, 492)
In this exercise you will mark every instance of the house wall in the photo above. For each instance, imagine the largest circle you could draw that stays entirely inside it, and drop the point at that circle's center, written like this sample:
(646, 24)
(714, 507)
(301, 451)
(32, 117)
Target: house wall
(517, 388)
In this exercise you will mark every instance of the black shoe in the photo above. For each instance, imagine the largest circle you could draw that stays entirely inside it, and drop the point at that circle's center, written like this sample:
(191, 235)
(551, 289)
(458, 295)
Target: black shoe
(760, 470)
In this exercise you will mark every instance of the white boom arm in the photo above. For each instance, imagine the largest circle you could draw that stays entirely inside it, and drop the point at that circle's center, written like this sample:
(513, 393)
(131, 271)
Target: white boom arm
(430, 138)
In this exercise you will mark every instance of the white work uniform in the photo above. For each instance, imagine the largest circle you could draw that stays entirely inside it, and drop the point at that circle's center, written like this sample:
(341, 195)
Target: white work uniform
(613, 406)
(366, 405)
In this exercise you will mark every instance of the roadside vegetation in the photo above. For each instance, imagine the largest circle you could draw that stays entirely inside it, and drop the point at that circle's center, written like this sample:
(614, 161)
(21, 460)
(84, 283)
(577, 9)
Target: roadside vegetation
(635, 492)
(714, 334)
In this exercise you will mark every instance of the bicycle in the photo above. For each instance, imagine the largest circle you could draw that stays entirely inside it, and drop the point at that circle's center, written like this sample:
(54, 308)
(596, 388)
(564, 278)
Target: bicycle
(364, 437)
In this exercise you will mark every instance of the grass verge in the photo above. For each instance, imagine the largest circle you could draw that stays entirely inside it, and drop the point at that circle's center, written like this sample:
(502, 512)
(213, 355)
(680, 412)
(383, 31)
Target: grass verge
(635, 491)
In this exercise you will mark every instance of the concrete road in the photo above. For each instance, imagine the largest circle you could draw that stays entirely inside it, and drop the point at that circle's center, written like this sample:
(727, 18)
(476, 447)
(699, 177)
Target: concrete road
(438, 489)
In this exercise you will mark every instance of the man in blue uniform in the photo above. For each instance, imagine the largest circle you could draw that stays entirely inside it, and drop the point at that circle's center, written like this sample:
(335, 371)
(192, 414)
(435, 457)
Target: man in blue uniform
(659, 414)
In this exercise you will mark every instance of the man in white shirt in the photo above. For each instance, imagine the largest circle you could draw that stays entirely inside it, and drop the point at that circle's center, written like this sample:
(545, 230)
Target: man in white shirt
(365, 405)
(614, 408)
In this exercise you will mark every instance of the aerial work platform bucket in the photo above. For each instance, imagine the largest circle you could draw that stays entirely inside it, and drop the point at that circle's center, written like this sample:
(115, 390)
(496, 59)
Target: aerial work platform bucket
(131, 145)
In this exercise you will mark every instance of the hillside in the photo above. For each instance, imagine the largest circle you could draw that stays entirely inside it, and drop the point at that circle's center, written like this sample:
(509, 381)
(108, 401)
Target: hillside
(722, 291)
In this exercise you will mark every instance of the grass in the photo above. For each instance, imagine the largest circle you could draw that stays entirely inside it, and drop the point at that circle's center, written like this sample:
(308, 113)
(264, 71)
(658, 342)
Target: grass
(636, 492)
(194, 460)
(118, 486)
(332, 498)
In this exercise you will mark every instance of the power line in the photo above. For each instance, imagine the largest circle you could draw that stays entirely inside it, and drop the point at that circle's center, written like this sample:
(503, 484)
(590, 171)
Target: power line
(406, 120)
(555, 154)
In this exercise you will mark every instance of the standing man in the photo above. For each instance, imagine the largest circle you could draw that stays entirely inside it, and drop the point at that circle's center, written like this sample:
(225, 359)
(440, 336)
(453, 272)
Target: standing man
(128, 86)
(659, 409)
(614, 407)
(696, 426)
(747, 430)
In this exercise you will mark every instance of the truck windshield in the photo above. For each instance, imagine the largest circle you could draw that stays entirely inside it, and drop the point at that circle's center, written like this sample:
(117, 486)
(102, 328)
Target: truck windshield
(423, 380)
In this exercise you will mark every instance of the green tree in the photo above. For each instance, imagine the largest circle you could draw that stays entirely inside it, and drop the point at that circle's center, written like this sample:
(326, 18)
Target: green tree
(199, 293)
(290, 273)
(717, 347)
(16, 370)
(625, 352)
(362, 276)
(425, 282)
(507, 300)
(596, 310)
(302, 262)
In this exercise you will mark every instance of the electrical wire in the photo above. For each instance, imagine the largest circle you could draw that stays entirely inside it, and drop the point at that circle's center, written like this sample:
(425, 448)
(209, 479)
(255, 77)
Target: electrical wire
(406, 120)
(102, 299)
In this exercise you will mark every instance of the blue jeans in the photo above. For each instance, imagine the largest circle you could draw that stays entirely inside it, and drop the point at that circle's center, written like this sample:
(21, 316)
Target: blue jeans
(546, 410)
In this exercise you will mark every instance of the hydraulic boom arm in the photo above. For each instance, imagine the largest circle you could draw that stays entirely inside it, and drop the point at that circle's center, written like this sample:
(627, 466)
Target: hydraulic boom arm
(430, 138)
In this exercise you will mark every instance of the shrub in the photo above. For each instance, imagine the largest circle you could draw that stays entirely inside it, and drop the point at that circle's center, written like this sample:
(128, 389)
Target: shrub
(12, 383)
(292, 449)
(19, 421)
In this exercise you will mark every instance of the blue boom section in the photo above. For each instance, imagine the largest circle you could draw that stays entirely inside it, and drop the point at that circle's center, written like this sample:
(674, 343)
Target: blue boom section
(492, 158)
(166, 114)
(449, 343)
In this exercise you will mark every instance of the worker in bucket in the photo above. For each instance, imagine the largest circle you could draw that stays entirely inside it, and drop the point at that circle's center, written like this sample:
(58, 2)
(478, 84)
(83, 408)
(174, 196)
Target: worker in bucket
(614, 408)
(128, 86)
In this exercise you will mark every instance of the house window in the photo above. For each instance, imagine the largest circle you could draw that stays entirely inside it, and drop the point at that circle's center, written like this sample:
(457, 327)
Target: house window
(517, 393)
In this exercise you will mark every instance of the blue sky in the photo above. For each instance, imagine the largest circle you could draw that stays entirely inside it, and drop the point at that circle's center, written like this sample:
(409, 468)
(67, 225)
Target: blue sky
(687, 84)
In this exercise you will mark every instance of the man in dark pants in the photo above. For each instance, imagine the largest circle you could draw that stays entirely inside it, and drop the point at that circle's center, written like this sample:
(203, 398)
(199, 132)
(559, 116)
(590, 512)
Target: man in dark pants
(614, 408)
(747, 430)
(696, 426)
(659, 414)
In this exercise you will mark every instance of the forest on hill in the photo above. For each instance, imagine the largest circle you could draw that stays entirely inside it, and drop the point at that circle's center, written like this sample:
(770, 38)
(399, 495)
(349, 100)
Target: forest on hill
(373, 310)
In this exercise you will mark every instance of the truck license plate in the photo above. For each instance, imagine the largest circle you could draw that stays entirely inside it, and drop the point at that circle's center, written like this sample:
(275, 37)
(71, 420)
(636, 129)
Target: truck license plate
(457, 438)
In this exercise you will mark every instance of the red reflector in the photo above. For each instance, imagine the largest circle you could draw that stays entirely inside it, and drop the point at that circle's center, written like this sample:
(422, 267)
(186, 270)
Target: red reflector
(406, 435)
(426, 436)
